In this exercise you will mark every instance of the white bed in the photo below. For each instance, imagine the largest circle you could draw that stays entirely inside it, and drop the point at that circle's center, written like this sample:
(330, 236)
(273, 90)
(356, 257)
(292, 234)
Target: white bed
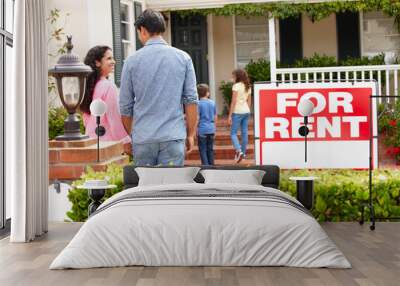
(224, 225)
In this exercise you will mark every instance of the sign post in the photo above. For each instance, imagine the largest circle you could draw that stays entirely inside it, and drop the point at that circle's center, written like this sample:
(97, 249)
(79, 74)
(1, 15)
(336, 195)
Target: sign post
(339, 125)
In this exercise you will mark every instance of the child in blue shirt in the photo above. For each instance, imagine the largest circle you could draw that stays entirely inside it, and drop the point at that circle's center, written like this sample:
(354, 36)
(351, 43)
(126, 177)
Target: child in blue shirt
(207, 125)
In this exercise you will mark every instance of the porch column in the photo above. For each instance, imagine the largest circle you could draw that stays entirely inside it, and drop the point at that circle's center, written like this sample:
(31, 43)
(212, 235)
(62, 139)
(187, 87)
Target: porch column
(272, 48)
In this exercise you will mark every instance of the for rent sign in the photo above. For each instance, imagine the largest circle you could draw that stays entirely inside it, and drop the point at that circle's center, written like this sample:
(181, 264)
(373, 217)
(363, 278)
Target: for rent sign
(339, 126)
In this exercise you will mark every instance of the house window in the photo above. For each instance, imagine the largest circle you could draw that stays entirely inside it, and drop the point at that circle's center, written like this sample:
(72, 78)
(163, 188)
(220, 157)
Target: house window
(124, 13)
(127, 28)
(6, 46)
(251, 34)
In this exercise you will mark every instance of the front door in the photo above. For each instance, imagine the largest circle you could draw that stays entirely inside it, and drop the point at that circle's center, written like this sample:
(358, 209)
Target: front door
(190, 35)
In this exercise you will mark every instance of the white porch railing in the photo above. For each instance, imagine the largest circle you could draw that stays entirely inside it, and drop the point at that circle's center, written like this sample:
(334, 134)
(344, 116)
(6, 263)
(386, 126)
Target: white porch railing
(387, 76)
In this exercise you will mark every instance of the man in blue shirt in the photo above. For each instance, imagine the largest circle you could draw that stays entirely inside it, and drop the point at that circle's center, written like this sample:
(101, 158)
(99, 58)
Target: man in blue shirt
(157, 82)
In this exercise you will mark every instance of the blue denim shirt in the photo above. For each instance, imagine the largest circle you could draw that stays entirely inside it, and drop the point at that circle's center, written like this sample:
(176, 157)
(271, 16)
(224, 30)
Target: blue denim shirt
(156, 82)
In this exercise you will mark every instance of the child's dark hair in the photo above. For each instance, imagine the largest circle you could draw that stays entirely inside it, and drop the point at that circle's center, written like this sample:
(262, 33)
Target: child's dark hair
(202, 90)
(241, 76)
(152, 20)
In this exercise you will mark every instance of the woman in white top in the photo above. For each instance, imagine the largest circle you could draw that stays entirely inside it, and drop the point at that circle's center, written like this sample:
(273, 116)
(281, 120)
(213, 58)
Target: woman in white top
(239, 112)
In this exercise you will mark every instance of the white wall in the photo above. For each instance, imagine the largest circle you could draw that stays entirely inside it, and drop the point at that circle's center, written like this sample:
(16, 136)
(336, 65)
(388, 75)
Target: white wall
(76, 24)
(88, 21)
(379, 34)
(319, 37)
(99, 23)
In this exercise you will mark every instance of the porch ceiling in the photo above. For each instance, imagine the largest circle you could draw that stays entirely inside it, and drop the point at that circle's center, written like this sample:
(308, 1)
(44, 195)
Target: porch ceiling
(201, 4)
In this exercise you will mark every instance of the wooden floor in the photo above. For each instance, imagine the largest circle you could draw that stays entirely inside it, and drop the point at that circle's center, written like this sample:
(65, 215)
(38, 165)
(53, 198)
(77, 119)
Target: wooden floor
(375, 257)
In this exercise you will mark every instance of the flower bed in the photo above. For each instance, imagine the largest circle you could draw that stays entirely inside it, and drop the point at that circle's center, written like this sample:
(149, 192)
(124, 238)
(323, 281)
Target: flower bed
(339, 194)
(389, 127)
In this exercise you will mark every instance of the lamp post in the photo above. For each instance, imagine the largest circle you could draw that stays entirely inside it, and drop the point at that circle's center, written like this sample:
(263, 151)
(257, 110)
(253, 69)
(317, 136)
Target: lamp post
(305, 108)
(98, 108)
(70, 75)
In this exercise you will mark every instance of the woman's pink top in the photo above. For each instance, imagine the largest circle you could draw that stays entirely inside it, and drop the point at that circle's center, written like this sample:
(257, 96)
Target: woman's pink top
(111, 120)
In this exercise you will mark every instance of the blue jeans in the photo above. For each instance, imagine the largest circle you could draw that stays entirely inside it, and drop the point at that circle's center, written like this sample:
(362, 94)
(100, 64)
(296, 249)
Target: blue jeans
(164, 153)
(240, 121)
(206, 149)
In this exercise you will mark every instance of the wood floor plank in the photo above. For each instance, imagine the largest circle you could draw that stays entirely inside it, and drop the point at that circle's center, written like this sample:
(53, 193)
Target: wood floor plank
(375, 258)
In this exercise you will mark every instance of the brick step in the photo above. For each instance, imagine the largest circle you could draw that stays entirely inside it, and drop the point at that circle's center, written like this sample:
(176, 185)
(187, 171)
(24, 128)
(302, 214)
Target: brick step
(87, 154)
(72, 143)
(220, 152)
(223, 162)
(227, 128)
(224, 139)
(224, 121)
(72, 171)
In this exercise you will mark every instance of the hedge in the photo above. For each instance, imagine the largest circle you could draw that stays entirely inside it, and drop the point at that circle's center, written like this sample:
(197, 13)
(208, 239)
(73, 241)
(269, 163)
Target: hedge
(57, 115)
(339, 194)
(260, 70)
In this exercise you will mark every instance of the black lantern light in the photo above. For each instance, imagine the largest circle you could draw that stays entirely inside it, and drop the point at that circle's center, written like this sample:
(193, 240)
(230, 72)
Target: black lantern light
(305, 108)
(70, 75)
(98, 108)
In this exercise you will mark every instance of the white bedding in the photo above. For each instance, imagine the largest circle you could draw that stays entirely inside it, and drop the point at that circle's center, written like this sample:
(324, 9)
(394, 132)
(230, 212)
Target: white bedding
(183, 231)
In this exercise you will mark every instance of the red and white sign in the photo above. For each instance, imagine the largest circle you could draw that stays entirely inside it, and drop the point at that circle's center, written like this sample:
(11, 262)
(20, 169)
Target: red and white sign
(339, 125)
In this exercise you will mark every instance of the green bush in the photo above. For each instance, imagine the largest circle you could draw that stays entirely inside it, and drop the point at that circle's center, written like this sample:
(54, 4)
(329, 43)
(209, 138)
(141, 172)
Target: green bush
(259, 70)
(79, 197)
(389, 126)
(226, 89)
(57, 116)
(339, 194)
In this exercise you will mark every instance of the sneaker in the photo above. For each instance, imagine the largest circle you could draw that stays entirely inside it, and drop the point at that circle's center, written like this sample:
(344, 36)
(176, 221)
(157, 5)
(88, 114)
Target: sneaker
(238, 156)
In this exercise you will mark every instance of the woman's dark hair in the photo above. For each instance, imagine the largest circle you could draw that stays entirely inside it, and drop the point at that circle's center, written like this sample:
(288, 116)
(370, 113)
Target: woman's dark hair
(94, 54)
(241, 76)
(202, 90)
(152, 20)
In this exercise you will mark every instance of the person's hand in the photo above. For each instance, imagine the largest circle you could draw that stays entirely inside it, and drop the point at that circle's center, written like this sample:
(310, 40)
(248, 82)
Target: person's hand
(189, 144)
(128, 148)
(230, 120)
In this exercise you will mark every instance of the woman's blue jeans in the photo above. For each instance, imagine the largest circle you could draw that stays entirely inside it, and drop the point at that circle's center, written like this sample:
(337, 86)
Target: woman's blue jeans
(240, 121)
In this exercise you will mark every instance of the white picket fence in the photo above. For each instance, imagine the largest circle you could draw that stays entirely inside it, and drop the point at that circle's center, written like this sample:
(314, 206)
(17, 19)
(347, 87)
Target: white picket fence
(387, 76)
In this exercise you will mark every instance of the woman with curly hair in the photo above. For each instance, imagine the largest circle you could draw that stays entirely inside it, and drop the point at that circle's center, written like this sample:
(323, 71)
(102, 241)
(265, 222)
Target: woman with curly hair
(100, 59)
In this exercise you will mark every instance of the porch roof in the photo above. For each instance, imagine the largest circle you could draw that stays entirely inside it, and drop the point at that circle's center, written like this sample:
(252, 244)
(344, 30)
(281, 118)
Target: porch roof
(202, 4)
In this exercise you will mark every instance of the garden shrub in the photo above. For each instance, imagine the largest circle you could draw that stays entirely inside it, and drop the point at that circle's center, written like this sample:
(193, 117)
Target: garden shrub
(56, 119)
(79, 197)
(259, 70)
(339, 194)
(389, 127)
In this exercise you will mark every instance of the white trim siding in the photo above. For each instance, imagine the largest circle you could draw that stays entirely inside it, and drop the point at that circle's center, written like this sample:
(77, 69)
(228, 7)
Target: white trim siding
(211, 62)
(234, 41)
(185, 4)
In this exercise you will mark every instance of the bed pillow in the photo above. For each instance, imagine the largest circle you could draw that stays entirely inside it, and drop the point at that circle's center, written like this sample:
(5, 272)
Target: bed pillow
(248, 177)
(166, 176)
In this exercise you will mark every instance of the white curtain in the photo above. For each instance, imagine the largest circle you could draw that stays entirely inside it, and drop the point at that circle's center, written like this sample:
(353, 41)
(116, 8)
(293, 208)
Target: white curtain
(27, 124)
